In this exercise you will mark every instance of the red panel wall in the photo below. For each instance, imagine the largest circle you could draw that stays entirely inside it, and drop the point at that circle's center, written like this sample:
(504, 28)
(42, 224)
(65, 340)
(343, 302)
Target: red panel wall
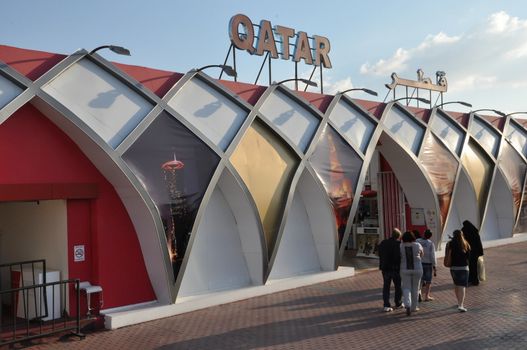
(34, 151)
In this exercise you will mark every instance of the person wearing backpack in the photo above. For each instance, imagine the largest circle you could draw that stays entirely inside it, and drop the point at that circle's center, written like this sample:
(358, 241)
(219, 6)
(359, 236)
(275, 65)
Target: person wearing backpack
(411, 271)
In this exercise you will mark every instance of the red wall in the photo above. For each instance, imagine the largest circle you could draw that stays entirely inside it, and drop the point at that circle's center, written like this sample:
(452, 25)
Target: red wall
(34, 151)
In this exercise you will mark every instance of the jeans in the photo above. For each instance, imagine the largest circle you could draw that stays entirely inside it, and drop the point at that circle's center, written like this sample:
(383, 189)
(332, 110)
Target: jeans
(388, 276)
(411, 280)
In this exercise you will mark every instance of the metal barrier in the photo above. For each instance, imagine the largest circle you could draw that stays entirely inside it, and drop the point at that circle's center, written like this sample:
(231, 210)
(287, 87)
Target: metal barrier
(38, 310)
(36, 269)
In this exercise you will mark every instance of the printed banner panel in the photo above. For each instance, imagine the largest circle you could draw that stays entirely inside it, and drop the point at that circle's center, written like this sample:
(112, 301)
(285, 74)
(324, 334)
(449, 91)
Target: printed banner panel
(521, 225)
(479, 168)
(175, 168)
(441, 167)
(338, 168)
(513, 168)
(267, 166)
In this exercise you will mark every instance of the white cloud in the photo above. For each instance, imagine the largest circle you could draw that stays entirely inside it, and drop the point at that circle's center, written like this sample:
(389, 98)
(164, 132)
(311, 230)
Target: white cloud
(340, 85)
(472, 82)
(438, 39)
(487, 61)
(519, 84)
(399, 61)
(517, 52)
(383, 67)
(501, 22)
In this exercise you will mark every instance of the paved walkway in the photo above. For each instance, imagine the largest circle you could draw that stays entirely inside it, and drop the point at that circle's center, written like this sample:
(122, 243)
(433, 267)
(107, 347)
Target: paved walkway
(346, 314)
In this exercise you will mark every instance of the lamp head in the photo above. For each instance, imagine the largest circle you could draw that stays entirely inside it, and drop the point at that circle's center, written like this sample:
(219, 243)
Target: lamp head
(305, 81)
(120, 50)
(368, 91)
(114, 48)
(424, 100)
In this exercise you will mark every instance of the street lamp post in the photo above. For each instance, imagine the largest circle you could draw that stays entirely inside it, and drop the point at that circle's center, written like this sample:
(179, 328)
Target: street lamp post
(466, 104)
(501, 114)
(117, 49)
(296, 80)
(224, 68)
(368, 91)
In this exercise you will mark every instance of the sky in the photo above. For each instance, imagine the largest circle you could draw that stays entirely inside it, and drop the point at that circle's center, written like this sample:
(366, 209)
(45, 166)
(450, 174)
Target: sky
(481, 45)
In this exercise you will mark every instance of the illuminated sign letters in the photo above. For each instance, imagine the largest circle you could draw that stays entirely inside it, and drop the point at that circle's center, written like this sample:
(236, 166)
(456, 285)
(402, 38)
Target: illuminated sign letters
(244, 39)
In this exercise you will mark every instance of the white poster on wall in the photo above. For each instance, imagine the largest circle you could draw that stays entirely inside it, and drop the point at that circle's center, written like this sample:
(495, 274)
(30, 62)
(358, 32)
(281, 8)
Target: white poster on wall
(431, 220)
(418, 216)
(78, 253)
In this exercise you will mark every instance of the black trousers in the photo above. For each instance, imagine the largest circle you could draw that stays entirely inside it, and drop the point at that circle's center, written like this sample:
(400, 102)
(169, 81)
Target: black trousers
(388, 276)
(473, 270)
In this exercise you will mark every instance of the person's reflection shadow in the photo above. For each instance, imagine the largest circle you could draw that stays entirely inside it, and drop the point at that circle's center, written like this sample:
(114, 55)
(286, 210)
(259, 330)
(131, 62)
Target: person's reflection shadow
(396, 127)
(284, 117)
(104, 99)
(348, 124)
(208, 109)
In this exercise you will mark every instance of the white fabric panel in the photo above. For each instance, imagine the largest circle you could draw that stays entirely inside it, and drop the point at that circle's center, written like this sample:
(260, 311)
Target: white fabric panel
(104, 103)
(296, 122)
(406, 130)
(486, 136)
(321, 220)
(499, 220)
(209, 111)
(246, 218)
(296, 253)
(354, 125)
(490, 228)
(417, 189)
(8, 91)
(216, 260)
(448, 132)
(464, 206)
(517, 138)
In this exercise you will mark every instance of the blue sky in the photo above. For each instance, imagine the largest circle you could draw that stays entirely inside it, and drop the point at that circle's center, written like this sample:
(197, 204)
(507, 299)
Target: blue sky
(481, 45)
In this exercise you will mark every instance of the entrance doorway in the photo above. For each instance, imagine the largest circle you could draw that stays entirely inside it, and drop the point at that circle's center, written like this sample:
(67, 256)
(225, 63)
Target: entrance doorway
(35, 230)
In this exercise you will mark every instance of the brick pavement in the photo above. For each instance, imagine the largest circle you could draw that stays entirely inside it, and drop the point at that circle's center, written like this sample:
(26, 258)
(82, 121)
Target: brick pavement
(345, 314)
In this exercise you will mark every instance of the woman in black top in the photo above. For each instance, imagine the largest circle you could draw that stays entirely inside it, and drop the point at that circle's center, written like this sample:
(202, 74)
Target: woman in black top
(471, 234)
(460, 251)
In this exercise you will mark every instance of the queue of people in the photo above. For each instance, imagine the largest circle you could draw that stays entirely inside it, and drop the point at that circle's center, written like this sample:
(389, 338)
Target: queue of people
(411, 264)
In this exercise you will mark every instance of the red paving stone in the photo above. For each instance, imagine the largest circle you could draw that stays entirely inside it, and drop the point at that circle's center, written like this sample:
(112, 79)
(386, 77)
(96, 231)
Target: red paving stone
(345, 314)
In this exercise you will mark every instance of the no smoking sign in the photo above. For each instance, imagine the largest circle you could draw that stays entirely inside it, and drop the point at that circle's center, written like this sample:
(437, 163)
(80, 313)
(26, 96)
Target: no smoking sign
(78, 253)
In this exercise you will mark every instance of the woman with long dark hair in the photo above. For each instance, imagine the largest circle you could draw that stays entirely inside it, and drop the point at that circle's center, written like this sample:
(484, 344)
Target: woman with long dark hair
(471, 234)
(460, 252)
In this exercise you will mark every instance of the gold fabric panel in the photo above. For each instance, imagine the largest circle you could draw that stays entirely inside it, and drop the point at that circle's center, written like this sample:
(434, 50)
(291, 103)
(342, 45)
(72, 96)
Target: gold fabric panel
(267, 168)
(514, 170)
(441, 166)
(479, 169)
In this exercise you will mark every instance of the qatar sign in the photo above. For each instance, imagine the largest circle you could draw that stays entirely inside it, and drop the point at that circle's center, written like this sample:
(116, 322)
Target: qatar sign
(242, 35)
